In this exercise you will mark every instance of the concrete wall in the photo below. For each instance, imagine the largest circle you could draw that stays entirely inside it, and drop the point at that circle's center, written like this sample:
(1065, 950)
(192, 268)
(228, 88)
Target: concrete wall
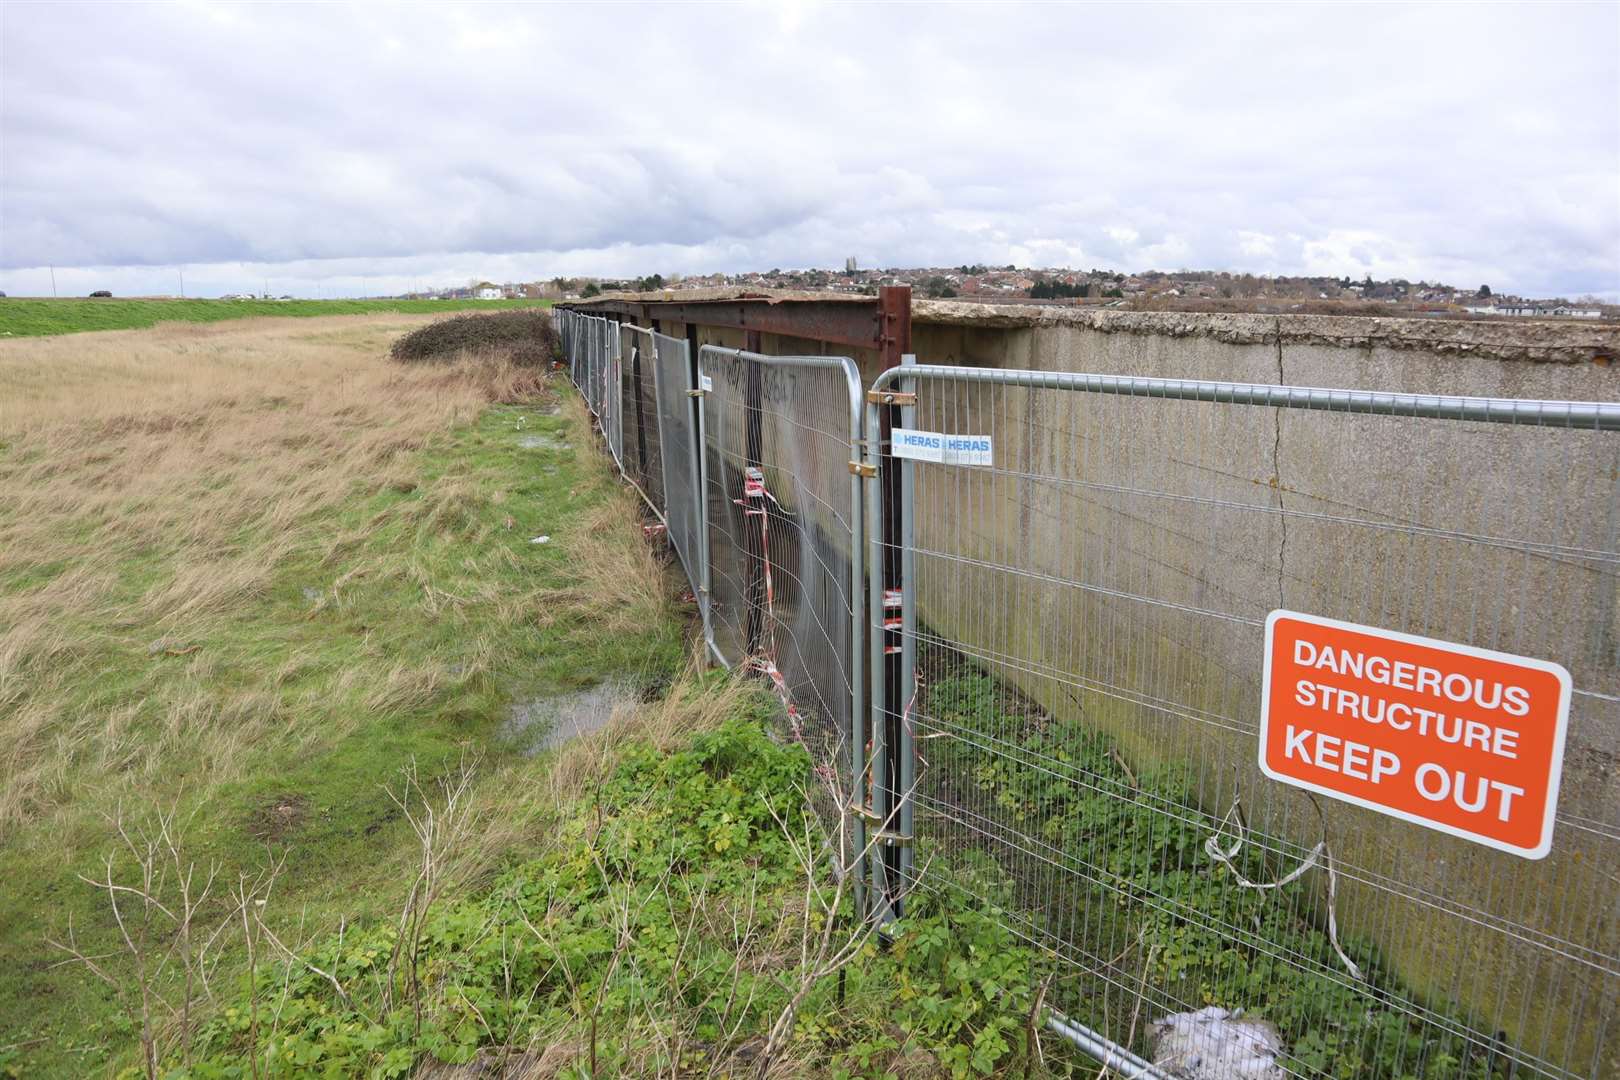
(1462, 923)
(1187, 522)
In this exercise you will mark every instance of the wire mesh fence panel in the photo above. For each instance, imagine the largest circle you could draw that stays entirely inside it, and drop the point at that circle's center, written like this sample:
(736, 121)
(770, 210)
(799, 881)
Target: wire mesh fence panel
(576, 348)
(585, 347)
(1090, 579)
(784, 539)
(677, 438)
(567, 325)
(612, 409)
(587, 356)
(562, 322)
(625, 399)
(588, 361)
(601, 369)
(644, 406)
(590, 344)
(583, 353)
(598, 363)
(638, 415)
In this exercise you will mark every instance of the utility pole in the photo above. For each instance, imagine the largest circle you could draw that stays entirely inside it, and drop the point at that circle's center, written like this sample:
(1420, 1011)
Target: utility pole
(53, 282)
(182, 283)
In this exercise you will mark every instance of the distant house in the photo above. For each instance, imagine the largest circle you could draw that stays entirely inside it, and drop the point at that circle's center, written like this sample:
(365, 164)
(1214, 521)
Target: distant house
(1534, 309)
(485, 290)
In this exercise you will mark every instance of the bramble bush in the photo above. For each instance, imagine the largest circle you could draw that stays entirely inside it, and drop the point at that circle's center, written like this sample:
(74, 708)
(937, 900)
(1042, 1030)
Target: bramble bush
(667, 925)
(526, 336)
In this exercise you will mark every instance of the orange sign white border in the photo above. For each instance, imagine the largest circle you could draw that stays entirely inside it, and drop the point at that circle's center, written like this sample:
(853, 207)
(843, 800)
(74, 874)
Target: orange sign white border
(1556, 760)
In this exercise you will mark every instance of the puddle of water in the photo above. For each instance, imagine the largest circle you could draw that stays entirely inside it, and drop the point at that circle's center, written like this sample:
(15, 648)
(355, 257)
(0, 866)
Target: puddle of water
(542, 442)
(544, 723)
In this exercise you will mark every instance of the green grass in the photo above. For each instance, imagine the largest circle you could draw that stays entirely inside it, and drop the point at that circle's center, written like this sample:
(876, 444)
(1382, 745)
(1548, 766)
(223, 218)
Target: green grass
(446, 613)
(38, 317)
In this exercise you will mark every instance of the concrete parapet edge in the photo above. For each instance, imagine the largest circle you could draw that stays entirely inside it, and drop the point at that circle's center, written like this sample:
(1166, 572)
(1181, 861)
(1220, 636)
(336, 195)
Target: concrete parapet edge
(1528, 340)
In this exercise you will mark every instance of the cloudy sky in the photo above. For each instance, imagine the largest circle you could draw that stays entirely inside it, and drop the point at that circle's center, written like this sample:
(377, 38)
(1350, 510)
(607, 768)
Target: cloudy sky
(342, 150)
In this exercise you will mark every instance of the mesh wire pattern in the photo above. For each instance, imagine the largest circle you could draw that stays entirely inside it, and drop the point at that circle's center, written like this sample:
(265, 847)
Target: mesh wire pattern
(1086, 627)
(1083, 631)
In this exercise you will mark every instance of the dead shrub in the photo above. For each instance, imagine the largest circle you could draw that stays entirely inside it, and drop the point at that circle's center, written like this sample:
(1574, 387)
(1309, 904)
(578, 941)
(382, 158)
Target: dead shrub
(526, 338)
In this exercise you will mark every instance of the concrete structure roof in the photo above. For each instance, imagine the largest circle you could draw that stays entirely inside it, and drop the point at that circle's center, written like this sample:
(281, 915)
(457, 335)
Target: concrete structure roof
(1567, 342)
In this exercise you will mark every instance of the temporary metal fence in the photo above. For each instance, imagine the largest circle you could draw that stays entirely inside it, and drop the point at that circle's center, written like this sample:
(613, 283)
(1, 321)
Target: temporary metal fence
(680, 441)
(639, 413)
(1085, 595)
(592, 347)
(1033, 665)
(783, 508)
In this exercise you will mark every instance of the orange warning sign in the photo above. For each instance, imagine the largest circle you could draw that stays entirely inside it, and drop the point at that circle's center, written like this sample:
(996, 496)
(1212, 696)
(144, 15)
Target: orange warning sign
(1460, 739)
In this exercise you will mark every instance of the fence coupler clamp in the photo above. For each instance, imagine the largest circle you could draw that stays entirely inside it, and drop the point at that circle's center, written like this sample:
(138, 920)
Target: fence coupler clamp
(694, 393)
(890, 397)
(892, 839)
(860, 468)
(864, 812)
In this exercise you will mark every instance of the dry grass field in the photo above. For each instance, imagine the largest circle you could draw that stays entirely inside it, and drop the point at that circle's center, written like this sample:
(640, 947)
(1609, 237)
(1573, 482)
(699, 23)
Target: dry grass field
(252, 569)
(153, 483)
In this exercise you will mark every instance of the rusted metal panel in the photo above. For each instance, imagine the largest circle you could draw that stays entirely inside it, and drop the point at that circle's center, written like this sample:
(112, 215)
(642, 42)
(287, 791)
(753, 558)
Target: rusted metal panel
(894, 321)
(894, 341)
(850, 322)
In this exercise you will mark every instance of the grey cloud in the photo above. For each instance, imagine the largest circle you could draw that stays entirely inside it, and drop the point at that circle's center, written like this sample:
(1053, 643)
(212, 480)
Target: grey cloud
(364, 147)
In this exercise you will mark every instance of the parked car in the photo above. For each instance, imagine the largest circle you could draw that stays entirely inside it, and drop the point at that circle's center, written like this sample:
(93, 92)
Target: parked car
(101, 294)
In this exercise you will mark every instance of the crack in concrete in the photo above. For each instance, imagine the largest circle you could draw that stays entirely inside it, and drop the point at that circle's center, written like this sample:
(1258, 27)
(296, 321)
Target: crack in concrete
(1276, 477)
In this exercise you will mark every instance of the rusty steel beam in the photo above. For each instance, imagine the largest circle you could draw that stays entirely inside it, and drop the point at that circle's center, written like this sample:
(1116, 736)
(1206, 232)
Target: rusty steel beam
(894, 324)
(894, 341)
(840, 321)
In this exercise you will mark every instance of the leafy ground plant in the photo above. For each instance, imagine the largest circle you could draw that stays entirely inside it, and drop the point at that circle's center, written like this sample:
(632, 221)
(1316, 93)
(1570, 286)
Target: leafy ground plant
(664, 933)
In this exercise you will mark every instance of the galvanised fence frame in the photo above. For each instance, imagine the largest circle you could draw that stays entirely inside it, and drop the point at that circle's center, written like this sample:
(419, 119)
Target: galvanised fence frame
(781, 436)
(680, 441)
(1091, 596)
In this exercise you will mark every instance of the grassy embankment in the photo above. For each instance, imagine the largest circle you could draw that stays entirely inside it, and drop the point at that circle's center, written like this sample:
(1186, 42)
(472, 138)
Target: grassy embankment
(33, 317)
(260, 579)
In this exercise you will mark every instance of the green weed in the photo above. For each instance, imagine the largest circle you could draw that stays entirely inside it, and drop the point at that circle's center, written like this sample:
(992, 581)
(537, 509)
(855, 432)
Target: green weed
(666, 929)
(1134, 872)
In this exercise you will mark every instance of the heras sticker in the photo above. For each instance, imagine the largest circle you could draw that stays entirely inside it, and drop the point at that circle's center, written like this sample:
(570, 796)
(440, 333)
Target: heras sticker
(939, 447)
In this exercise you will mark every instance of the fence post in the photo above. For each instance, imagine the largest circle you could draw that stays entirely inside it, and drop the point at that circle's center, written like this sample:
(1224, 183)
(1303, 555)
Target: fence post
(889, 694)
(641, 420)
(699, 450)
(907, 689)
(753, 450)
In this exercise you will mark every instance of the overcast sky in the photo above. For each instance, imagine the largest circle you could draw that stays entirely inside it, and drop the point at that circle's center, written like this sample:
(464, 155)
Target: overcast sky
(334, 150)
